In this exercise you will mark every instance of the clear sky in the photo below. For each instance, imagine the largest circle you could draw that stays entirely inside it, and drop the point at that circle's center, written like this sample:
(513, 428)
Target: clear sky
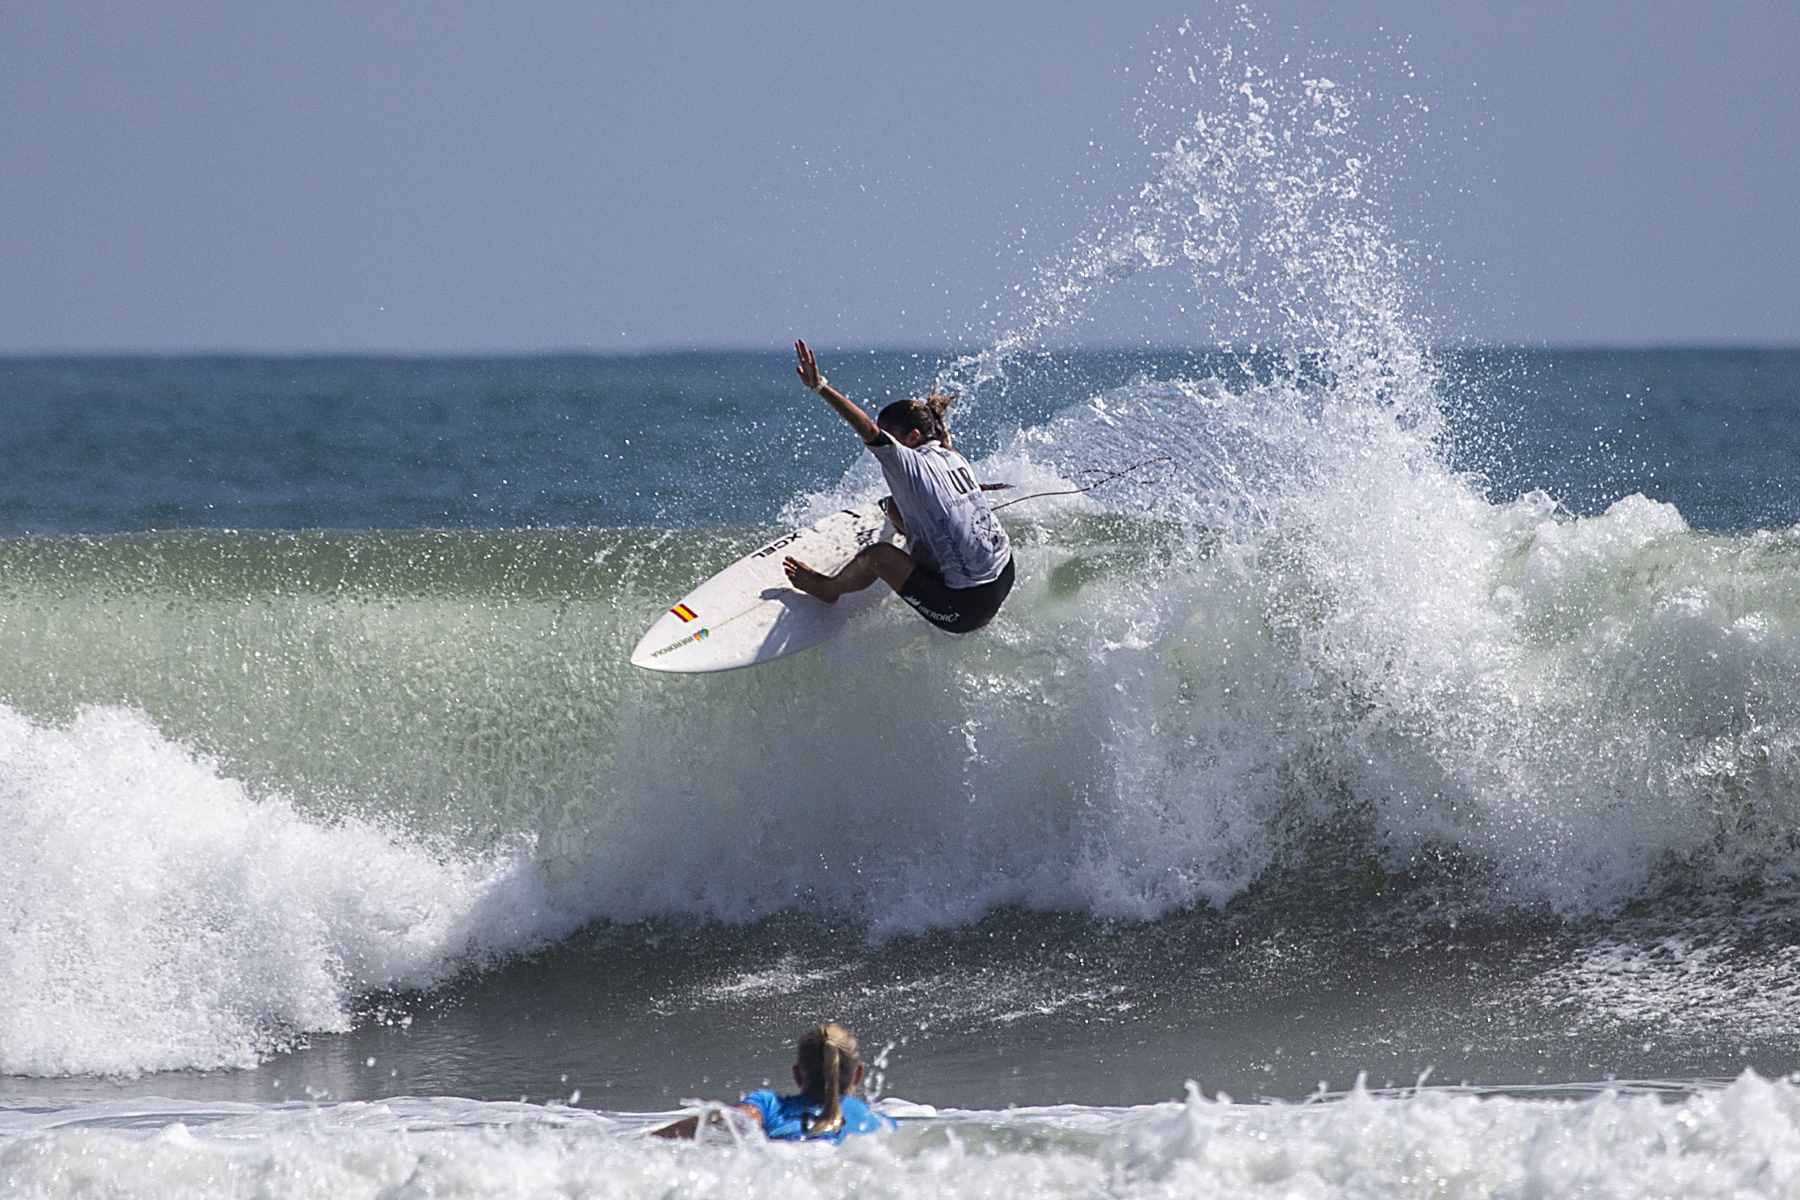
(368, 175)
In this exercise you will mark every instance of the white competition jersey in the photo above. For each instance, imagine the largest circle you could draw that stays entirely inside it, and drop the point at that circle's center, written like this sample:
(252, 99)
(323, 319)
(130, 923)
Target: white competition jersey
(949, 528)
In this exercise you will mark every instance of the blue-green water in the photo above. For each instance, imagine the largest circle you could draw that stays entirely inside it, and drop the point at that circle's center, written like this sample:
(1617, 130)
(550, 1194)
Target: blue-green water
(109, 445)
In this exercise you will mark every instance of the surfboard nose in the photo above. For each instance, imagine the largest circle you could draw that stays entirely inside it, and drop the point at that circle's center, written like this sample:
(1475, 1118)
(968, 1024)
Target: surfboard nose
(674, 631)
(749, 613)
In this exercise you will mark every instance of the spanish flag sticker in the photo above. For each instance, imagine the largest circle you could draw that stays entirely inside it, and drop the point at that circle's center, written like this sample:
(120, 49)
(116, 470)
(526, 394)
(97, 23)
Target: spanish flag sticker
(684, 612)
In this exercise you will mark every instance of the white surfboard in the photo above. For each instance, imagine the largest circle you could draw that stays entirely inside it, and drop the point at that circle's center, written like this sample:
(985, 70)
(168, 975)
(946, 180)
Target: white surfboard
(749, 613)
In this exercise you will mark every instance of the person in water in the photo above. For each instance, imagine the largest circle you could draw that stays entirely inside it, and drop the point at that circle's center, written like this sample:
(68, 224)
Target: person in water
(957, 568)
(826, 1108)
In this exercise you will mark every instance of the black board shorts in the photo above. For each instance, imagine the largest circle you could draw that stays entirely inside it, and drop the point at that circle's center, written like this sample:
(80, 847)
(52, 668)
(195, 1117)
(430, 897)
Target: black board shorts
(956, 610)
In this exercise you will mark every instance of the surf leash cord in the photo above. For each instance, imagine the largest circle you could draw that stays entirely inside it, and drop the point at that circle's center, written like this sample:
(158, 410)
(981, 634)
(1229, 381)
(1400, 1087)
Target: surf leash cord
(1106, 477)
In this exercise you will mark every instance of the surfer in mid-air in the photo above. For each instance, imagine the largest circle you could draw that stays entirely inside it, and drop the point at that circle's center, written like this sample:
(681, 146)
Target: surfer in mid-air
(957, 568)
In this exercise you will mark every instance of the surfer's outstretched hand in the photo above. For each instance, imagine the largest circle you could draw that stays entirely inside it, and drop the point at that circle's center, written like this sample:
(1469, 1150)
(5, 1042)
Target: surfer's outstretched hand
(808, 370)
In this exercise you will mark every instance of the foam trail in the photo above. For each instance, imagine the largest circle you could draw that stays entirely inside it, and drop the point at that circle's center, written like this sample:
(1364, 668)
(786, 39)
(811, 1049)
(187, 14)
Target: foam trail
(1739, 1141)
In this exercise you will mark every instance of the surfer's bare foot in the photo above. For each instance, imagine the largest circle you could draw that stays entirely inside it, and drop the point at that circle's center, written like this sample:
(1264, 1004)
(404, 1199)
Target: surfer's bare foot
(809, 580)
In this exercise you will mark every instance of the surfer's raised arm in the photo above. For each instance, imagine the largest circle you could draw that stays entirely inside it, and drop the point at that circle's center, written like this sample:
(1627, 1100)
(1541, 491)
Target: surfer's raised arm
(956, 568)
(808, 370)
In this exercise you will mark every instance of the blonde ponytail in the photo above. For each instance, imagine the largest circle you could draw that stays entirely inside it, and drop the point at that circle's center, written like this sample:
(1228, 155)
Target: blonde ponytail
(828, 1063)
(939, 404)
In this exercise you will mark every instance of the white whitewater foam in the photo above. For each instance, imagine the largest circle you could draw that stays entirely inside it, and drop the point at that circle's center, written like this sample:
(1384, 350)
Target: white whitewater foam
(157, 917)
(1337, 623)
(1740, 1141)
(1306, 621)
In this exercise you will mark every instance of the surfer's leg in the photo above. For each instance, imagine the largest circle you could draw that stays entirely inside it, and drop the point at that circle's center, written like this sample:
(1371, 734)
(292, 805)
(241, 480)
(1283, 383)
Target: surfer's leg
(890, 564)
(957, 610)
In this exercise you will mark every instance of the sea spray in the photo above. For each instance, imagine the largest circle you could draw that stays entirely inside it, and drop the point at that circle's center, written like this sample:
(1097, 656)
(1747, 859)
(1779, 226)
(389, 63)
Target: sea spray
(1413, 696)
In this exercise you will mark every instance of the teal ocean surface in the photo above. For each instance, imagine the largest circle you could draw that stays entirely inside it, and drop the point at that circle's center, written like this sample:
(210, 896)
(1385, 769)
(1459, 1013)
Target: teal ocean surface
(115, 445)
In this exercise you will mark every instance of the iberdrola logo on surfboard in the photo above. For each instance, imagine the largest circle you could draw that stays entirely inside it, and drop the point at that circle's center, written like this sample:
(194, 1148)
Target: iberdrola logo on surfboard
(699, 635)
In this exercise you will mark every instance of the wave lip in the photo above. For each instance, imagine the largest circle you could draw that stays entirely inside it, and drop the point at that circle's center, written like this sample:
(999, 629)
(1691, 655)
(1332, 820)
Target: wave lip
(158, 917)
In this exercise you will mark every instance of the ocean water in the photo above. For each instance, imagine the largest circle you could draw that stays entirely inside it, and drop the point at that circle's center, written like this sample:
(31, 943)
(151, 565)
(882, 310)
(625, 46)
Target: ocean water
(1389, 787)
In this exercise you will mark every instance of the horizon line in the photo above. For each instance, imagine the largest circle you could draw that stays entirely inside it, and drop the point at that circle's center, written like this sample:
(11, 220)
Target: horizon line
(923, 350)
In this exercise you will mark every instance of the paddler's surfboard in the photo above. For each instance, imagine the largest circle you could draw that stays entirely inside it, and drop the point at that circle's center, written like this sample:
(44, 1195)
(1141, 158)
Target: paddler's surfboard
(749, 613)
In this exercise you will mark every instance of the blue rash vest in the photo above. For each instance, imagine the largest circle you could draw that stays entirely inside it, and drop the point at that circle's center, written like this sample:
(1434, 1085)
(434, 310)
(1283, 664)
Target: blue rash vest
(782, 1116)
